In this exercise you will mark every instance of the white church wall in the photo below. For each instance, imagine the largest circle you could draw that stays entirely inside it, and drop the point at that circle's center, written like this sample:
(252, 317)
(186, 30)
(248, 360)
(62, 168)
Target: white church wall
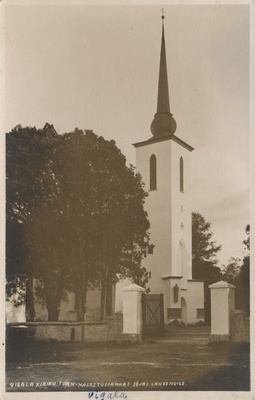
(15, 314)
(173, 302)
(66, 308)
(168, 210)
(194, 297)
(167, 295)
(181, 214)
(41, 313)
(159, 212)
(93, 305)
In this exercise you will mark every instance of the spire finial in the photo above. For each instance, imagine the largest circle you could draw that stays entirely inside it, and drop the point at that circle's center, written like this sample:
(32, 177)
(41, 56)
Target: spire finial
(163, 14)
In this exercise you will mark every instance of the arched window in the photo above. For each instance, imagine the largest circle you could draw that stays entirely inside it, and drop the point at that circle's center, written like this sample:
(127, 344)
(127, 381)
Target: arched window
(181, 176)
(153, 172)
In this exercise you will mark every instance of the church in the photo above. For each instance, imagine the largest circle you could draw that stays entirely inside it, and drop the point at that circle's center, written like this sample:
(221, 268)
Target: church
(164, 162)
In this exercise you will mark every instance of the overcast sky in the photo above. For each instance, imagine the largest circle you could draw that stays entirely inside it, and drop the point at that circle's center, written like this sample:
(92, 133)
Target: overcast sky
(96, 67)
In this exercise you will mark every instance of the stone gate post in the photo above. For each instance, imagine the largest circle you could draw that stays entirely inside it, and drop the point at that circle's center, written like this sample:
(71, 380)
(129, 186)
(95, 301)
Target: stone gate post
(222, 304)
(132, 312)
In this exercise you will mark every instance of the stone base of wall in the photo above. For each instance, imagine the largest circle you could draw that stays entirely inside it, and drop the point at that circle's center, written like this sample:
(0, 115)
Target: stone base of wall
(239, 327)
(219, 338)
(109, 330)
(129, 337)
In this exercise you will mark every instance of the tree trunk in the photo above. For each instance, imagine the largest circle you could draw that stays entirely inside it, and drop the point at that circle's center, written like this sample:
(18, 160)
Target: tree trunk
(53, 302)
(80, 305)
(207, 295)
(103, 298)
(109, 295)
(81, 294)
(53, 312)
(104, 275)
(30, 306)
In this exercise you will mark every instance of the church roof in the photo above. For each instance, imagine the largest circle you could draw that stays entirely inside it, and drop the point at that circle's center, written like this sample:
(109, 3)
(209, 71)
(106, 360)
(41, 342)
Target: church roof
(161, 139)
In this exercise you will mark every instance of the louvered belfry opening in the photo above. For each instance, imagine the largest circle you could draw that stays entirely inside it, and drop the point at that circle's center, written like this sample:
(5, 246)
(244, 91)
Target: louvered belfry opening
(181, 176)
(153, 172)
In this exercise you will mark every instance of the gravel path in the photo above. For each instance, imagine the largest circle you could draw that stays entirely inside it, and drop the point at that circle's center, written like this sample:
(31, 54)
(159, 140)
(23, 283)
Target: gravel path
(182, 360)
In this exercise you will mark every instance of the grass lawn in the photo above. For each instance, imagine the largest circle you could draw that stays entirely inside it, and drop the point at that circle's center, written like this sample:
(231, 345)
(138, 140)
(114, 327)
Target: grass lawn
(183, 360)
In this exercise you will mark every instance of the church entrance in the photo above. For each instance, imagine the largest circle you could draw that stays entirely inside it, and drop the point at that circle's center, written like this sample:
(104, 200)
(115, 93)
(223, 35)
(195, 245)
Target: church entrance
(152, 315)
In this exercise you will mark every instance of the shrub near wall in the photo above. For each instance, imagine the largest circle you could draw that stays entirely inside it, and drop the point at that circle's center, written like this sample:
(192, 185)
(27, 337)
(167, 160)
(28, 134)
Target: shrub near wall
(240, 327)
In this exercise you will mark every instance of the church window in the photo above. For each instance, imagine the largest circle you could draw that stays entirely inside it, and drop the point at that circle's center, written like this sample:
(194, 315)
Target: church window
(153, 172)
(181, 176)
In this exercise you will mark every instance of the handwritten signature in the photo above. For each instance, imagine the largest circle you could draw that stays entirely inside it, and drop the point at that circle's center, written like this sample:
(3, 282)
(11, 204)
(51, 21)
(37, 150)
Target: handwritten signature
(108, 395)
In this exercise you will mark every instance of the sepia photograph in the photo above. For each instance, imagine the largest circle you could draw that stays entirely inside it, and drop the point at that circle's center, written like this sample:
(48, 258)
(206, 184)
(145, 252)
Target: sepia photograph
(126, 218)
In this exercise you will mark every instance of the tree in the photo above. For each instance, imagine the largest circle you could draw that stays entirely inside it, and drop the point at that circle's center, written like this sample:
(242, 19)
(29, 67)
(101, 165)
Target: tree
(29, 185)
(237, 273)
(29, 181)
(231, 272)
(82, 214)
(48, 236)
(246, 242)
(104, 199)
(243, 287)
(204, 258)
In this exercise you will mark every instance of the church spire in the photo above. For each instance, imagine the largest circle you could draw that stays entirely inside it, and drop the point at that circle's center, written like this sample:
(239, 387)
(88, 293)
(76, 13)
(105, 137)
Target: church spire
(163, 95)
(163, 123)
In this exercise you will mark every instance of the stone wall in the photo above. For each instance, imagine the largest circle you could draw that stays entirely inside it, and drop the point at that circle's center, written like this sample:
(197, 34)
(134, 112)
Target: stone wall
(59, 332)
(109, 330)
(239, 327)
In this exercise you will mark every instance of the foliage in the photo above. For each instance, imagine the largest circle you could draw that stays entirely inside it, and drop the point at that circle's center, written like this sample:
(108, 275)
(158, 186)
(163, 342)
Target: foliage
(243, 287)
(104, 202)
(204, 257)
(244, 277)
(246, 242)
(81, 211)
(237, 272)
(29, 185)
(203, 247)
(231, 272)
(29, 181)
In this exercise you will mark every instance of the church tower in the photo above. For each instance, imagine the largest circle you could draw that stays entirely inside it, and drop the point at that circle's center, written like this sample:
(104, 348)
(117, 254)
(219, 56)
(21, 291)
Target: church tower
(164, 163)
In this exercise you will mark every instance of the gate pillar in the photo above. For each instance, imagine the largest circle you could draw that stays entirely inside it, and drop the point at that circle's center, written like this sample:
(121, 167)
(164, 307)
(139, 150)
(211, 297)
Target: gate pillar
(132, 312)
(222, 304)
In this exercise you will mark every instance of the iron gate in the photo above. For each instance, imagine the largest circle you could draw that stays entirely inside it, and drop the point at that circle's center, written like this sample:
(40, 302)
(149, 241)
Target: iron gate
(153, 314)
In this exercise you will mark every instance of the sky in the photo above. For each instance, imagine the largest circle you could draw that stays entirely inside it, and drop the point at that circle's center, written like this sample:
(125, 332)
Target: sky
(96, 67)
